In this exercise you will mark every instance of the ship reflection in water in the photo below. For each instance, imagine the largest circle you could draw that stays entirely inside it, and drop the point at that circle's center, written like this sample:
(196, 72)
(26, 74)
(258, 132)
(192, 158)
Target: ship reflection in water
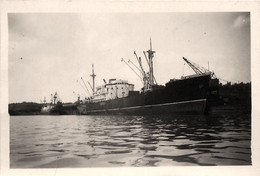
(111, 141)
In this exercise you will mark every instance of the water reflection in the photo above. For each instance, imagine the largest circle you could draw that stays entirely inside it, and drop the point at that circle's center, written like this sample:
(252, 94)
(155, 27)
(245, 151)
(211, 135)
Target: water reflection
(105, 141)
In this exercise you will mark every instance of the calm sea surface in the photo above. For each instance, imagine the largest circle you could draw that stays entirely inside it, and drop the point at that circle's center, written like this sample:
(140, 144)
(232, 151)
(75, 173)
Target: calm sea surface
(111, 141)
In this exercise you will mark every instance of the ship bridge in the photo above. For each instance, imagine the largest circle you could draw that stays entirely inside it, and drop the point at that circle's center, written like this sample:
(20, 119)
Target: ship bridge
(115, 88)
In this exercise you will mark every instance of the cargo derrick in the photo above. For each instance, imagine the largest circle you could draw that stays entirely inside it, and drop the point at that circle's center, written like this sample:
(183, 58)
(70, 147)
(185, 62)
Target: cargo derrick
(213, 93)
(129, 61)
(199, 70)
(85, 86)
(90, 86)
(147, 78)
(150, 65)
(122, 60)
(82, 87)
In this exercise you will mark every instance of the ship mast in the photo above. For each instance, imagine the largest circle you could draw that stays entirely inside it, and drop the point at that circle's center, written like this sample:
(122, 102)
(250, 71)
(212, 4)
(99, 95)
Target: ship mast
(51, 98)
(55, 98)
(93, 79)
(147, 78)
(150, 57)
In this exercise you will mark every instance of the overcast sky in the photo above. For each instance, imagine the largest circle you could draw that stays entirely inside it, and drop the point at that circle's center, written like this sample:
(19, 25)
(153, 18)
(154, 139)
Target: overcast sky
(48, 53)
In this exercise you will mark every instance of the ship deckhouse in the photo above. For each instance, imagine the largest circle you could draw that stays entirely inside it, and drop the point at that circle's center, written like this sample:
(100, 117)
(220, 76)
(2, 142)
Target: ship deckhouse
(112, 90)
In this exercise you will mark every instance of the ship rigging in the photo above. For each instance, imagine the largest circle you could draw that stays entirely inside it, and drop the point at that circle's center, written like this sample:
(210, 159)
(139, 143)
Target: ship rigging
(148, 78)
(199, 70)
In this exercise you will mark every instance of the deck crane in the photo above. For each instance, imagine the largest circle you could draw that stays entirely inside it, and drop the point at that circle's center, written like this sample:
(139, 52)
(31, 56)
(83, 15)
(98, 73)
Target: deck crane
(122, 60)
(199, 69)
(129, 61)
(145, 76)
(148, 78)
(140, 64)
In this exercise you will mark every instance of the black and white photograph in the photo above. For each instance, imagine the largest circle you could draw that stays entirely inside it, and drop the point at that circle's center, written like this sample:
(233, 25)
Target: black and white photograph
(129, 89)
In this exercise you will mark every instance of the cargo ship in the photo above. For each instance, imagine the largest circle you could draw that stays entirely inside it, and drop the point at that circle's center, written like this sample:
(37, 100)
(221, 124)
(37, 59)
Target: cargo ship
(187, 95)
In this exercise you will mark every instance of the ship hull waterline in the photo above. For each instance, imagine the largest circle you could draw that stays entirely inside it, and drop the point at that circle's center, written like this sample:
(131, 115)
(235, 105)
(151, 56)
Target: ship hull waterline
(192, 107)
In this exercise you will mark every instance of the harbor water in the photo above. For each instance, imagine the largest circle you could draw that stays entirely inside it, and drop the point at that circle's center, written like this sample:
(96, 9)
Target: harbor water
(129, 141)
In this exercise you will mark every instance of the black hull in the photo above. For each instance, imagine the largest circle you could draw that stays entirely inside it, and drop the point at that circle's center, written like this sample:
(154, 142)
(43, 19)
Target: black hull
(185, 96)
(194, 107)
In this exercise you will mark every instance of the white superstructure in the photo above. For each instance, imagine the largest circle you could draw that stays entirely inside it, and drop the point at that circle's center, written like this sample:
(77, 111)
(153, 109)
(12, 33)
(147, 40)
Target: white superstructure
(112, 90)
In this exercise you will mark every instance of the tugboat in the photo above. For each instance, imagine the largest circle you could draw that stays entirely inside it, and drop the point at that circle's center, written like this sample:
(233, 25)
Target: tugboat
(187, 95)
